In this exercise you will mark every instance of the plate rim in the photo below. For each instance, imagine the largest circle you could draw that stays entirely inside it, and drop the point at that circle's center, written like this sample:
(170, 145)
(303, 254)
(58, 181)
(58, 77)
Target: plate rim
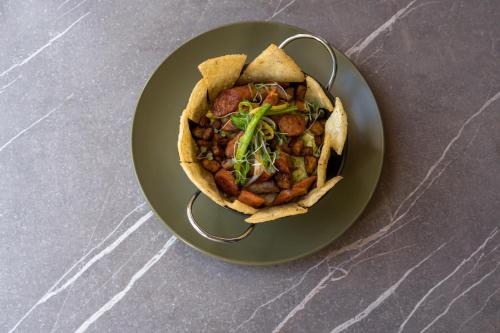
(252, 262)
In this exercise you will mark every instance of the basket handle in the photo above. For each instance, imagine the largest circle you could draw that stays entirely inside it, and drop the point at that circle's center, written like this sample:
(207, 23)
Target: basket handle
(327, 46)
(208, 235)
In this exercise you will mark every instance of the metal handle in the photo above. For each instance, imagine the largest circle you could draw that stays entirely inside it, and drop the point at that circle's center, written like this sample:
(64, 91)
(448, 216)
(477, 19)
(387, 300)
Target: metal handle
(207, 235)
(327, 47)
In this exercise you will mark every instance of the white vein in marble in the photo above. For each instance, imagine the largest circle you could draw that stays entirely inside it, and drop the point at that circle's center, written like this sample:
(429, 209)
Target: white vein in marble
(455, 299)
(386, 294)
(55, 290)
(119, 296)
(423, 185)
(33, 124)
(38, 51)
(446, 278)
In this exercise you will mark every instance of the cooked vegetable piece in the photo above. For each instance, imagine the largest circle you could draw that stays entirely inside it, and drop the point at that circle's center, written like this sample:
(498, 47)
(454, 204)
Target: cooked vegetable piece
(226, 182)
(244, 141)
(251, 199)
(299, 171)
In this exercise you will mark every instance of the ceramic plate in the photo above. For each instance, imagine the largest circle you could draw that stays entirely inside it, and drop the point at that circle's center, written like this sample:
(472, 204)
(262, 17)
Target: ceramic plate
(167, 188)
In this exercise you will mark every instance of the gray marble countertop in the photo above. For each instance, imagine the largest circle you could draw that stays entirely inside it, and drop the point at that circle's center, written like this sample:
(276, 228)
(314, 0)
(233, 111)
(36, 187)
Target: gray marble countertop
(81, 251)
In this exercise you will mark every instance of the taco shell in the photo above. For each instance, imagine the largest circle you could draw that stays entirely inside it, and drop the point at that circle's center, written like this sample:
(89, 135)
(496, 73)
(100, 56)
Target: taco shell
(273, 64)
(221, 73)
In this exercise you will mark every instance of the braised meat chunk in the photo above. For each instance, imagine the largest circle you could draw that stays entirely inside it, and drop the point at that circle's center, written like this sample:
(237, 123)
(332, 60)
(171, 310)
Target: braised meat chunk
(226, 182)
(227, 101)
(292, 124)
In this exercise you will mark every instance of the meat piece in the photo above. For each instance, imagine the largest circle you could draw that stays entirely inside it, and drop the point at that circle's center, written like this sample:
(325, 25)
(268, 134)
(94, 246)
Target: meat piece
(221, 140)
(198, 132)
(204, 143)
(283, 180)
(307, 151)
(204, 121)
(251, 199)
(292, 124)
(297, 190)
(272, 97)
(216, 124)
(318, 140)
(305, 183)
(300, 92)
(297, 145)
(229, 126)
(290, 91)
(288, 195)
(264, 177)
(284, 147)
(227, 101)
(317, 128)
(264, 187)
(231, 145)
(283, 163)
(226, 183)
(301, 106)
(217, 150)
(202, 132)
(311, 163)
(284, 84)
(268, 198)
(212, 166)
(228, 164)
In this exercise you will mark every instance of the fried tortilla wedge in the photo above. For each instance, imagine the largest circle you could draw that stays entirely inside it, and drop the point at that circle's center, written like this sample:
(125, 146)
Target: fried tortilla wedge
(316, 95)
(335, 136)
(204, 180)
(276, 212)
(273, 64)
(221, 73)
(312, 197)
(196, 108)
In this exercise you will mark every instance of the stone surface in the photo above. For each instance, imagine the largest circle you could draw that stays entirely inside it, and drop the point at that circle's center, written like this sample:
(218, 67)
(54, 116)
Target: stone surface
(79, 249)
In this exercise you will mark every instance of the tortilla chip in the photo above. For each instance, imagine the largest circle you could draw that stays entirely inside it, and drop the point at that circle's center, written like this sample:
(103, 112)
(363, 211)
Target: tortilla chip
(335, 136)
(336, 127)
(197, 105)
(204, 180)
(312, 197)
(222, 72)
(241, 207)
(188, 150)
(273, 64)
(273, 213)
(316, 95)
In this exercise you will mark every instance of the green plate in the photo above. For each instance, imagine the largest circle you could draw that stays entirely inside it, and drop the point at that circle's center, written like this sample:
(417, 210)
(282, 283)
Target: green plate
(167, 188)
